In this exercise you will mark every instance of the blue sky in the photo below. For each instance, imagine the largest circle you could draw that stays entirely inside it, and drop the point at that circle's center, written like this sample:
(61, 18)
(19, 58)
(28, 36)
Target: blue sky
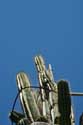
(51, 28)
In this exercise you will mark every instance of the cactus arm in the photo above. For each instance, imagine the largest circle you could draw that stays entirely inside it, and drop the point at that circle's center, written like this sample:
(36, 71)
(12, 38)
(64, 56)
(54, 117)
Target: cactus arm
(26, 96)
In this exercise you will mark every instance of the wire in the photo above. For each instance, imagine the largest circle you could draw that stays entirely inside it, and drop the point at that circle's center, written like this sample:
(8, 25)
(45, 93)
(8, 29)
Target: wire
(35, 87)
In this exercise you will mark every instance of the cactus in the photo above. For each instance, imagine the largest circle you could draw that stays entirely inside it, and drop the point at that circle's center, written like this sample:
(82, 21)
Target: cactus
(50, 105)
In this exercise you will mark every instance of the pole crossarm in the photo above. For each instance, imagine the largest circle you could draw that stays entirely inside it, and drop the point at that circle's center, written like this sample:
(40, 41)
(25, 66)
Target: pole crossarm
(76, 93)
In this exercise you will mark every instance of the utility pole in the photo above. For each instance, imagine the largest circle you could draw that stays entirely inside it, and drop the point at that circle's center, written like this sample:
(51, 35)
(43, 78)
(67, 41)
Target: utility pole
(81, 119)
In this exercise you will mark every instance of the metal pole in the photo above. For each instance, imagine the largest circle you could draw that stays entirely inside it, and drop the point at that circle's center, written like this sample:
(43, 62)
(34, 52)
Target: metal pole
(76, 93)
